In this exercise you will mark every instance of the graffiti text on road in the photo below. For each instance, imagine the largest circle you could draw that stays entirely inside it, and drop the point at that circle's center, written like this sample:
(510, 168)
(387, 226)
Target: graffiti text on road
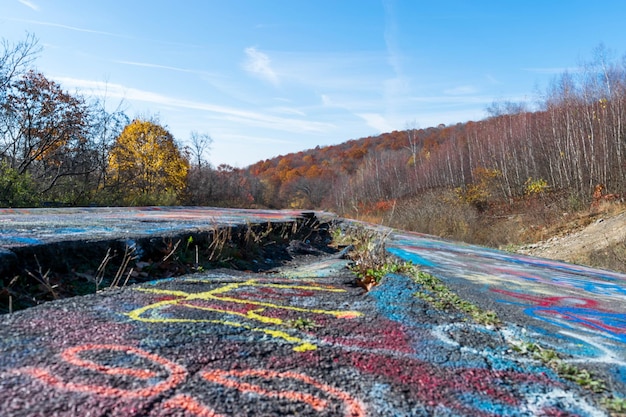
(232, 300)
(240, 380)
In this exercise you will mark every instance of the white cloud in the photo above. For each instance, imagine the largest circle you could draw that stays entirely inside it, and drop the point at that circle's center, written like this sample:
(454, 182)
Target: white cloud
(326, 100)
(29, 4)
(157, 66)
(74, 28)
(376, 121)
(243, 117)
(258, 64)
(288, 110)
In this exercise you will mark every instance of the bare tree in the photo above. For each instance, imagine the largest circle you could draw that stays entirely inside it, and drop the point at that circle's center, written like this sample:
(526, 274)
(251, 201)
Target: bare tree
(105, 127)
(200, 145)
(15, 59)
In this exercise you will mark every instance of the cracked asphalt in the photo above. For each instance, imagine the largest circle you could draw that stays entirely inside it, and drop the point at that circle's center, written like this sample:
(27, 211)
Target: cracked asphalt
(305, 340)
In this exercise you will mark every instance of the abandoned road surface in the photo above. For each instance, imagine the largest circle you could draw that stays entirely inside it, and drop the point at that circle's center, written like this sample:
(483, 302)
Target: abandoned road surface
(304, 340)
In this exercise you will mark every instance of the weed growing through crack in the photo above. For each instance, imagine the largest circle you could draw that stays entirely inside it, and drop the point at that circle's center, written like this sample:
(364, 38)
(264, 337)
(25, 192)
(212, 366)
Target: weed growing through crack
(615, 405)
(99, 276)
(435, 292)
(218, 243)
(370, 260)
(546, 356)
(130, 254)
(10, 293)
(567, 371)
(579, 376)
(302, 324)
(44, 279)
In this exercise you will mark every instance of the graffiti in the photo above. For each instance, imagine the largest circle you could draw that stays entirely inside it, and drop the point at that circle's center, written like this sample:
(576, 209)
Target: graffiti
(26, 227)
(190, 404)
(391, 346)
(390, 361)
(229, 379)
(72, 356)
(233, 300)
(573, 311)
(579, 300)
(455, 258)
(233, 379)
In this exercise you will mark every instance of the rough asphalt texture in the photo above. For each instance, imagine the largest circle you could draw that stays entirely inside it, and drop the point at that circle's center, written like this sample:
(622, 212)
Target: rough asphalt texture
(306, 341)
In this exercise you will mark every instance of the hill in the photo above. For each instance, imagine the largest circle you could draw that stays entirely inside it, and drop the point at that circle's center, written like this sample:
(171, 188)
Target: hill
(597, 240)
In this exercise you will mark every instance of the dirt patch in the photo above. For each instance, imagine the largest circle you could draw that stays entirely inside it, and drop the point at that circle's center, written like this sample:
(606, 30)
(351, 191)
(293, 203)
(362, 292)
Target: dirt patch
(601, 244)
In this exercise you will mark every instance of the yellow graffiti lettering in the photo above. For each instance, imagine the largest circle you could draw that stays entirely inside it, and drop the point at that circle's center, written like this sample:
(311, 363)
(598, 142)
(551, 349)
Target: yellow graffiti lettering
(149, 313)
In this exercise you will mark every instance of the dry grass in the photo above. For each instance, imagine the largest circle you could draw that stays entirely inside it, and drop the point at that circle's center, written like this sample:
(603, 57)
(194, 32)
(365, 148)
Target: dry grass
(370, 259)
(511, 224)
(436, 213)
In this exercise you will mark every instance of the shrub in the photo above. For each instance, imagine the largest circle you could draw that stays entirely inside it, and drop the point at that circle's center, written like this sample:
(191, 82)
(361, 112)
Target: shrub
(437, 213)
(16, 190)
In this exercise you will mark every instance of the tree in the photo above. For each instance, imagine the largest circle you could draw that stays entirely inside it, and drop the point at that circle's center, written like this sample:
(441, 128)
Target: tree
(15, 59)
(200, 145)
(16, 190)
(105, 128)
(146, 161)
(45, 131)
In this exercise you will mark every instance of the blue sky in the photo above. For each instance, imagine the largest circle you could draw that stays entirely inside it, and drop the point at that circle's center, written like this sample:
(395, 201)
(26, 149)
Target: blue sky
(269, 77)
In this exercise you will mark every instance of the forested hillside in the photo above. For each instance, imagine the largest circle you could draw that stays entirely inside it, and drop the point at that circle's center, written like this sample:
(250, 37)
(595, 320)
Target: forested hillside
(454, 180)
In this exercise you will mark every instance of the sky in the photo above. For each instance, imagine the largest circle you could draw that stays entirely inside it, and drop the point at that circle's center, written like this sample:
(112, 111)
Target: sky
(265, 78)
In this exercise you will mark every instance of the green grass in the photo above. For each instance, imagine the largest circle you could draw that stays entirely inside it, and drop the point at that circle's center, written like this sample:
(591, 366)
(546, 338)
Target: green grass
(302, 324)
(435, 292)
(615, 405)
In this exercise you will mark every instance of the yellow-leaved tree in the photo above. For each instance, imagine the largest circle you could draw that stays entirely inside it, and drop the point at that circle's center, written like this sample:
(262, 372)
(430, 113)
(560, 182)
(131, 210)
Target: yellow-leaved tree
(146, 166)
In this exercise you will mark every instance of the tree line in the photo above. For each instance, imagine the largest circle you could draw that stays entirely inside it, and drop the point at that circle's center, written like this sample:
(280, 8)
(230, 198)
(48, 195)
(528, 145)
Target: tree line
(573, 141)
(59, 148)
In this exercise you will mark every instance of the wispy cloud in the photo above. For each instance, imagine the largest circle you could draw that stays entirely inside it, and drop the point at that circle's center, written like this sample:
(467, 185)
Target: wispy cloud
(397, 86)
(165, 67)
(331, 71)
(29, 4)
(288, 110)
(251, 139)
(243, 117)
(259, 64)
(376, 121)
(74, 28)
(391, 37)
(453, 100)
